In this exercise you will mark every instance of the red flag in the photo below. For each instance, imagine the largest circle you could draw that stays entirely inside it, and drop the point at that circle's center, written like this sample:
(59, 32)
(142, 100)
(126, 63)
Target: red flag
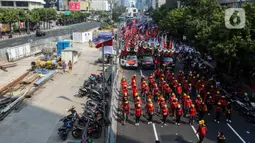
(106, 43)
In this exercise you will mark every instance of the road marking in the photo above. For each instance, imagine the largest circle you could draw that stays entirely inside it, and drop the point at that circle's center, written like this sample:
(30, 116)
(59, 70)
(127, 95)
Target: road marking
(236, 133)
(141, 72)
(193, 128)
(155, 132)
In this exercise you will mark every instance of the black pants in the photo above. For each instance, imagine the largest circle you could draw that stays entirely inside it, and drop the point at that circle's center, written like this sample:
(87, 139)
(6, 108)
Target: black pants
(164, 119)
(209, 107)
(201, 115)
(150, 117)
(228, 116)
(223, 109)
(217, 118)
(201, 138)
(137, 119)
(178, 118)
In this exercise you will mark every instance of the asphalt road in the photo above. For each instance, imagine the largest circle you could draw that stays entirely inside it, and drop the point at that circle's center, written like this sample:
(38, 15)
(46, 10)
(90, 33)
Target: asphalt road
(184, 133)
(52, 33)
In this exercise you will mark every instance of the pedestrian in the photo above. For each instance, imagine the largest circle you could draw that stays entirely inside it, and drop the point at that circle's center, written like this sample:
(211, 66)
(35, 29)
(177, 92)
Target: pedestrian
(218, 113)
(174, 106)
(138, 113)
(150, 110)
(209, 103)
(165, 113)
(202, 110)
(228, 112)
(221, 138)
(201, 131)
(70, 66)
(125, 110)
(223, 102)
(192, 114)
(179, 113)
(64, 66)
(187, 105)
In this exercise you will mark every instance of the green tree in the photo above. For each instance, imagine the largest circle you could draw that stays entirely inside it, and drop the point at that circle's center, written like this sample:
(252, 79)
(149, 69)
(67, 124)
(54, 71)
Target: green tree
(117, 11)
(10, 15)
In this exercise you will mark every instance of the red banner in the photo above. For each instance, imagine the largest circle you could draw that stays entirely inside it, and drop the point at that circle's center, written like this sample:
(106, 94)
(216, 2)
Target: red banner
(74, 6)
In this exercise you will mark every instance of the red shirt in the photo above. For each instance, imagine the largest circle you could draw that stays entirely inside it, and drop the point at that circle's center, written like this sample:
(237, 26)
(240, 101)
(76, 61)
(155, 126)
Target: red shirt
(192, 111)
(125, 108)
(165, 111)
(138, 111)
(188, 103)
(223, 102)
(218, 108)
(179, 89)
(179, 111)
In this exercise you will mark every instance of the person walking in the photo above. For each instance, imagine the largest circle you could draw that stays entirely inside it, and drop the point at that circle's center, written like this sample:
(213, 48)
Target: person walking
(218, 113)
(125, 111)
(150, 110)
(138, 113)
(201, 131)
(192, 114)
(228, 112)
(70, 66)
(165, 113)
(179, 113)
(64, 66)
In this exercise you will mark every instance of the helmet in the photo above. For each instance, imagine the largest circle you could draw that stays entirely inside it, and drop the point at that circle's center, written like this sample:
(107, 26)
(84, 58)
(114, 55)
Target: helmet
(201, 122)
(210, 96)
(198, 96)
(218, 92)
(223, 96)
(136, 94)
(126, 102)
(165, 105)
(163, 99)
(208, 92)
(192, 105)
(150, 104)
(138, 98)
(190, 84)
(246, 94)
(188, 97)
(138, 105)
(179, 84)
(149, 100)
(194, 77)
(203, 85)
(134, 75)
(176, 80)
(219, 103)
(179, 106)
(144, 81)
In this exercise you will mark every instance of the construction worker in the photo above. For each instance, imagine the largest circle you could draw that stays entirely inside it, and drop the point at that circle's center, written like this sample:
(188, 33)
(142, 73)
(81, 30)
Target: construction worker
(178, 115)
(138, 113)
(161, 103)
(221, 138)
(174, 106)
(155, 93)
(192, 114)
(194, 81)
(218, 112)
(150, 110)
(157, 73)
(70, 65)
(223, 102)
(198, 102)
(134, 78)
(151, 80)
(209, 103)
(198, 85)
(202, 110)
(165, 113)
(180, 76)
(217, 97)
(138, 101)
(228, 112)
(175, 84)
(178, 90)
(143, 88)
(187, 105)
(201, 131)
(190, 89)
(171, 78)
(125, 110)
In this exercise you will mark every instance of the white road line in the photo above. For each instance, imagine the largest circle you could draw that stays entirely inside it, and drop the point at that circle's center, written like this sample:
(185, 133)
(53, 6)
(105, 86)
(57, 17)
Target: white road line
(141, 72)
(236, 133)
(195, 131)
(155, 132)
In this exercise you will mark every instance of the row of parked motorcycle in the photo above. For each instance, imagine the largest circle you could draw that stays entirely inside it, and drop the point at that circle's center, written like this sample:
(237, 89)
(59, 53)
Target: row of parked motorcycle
(90, 123)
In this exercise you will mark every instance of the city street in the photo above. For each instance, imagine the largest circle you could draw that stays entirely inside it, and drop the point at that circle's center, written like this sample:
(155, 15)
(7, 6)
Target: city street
(37, 120)
(239, 131)
(52, 33)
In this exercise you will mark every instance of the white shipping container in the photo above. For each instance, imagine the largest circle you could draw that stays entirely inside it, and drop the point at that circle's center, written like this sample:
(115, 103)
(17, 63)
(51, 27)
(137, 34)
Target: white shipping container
(17, 52)
(82, 37)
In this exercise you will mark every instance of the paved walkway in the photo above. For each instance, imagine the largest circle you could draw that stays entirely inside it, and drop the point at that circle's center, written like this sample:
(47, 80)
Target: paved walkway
(39, 117)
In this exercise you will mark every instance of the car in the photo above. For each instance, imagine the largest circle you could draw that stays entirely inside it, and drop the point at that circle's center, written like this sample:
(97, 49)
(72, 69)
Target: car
(168, 61)
(147, 62)
(40, 33)
(131, 61)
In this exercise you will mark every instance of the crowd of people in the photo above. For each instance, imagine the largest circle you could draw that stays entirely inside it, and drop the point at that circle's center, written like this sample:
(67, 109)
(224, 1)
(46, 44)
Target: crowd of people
(178, 95)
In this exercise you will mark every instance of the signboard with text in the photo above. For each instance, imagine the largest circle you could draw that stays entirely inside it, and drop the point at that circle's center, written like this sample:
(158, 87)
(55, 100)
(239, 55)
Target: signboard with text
(74, 6)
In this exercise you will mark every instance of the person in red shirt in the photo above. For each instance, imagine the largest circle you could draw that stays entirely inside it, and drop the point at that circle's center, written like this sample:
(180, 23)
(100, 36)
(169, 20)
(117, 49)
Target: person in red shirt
(202, 110)
(171, 78)
(134, 91)
(223, 102)
(192, 114)
(134, 78)
(143, 88)
(193, 81)
(180, 75)
(228, 112)
(201, 131)
(138, 101)
(198, 85)
(217, 97)
(150, 110)
(179, 90)
(175, 84)
(138, 113)
(209, 103)
(218, 112)
(198, 102)
(187, 105)
(178, 114)
(174, 106)
(190, 89)
(165, 113)
(167, 92)
(157, 73)
(171, 99)
(161, 103)
(125, 110)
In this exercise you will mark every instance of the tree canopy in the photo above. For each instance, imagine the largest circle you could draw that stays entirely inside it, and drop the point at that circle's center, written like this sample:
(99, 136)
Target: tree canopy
(203, 24)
